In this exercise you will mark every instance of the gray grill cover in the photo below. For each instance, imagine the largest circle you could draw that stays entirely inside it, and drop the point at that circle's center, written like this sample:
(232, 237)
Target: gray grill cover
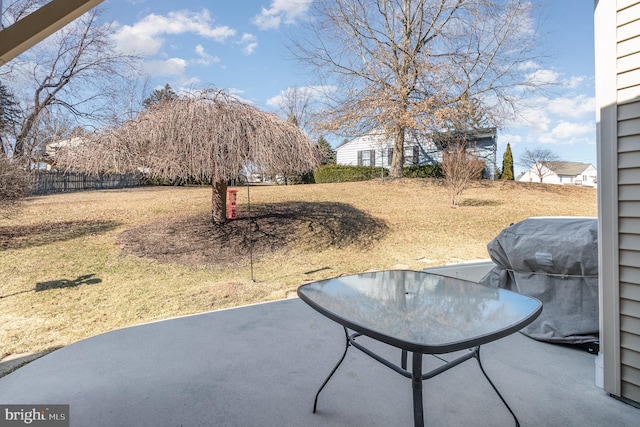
(556, 261)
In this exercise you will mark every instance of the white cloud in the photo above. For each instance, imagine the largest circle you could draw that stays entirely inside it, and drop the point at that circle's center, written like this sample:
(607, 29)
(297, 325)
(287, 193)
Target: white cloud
(205, 58)
(313, 92)
(248, 49)
(570, 131)
(237, 93)
(276, 101)
(169, 67)
(250, 43)
(528, 65)
(533, 116)
(574, 107)
(508, 138)
(266, 21)
(146, 36)
(539, 114)
(132, 39)
(287, 11)
(561, 121)
(187, 84)
(573, 82)
(543, 77)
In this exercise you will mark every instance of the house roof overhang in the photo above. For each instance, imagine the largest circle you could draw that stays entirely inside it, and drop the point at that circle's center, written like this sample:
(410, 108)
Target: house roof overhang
(567, 168)
(40, 24)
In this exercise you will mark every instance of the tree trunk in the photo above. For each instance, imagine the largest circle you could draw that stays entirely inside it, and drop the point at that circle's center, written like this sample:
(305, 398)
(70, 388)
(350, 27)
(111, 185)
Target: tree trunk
(218, 202)
(397, 160)
(21, 149)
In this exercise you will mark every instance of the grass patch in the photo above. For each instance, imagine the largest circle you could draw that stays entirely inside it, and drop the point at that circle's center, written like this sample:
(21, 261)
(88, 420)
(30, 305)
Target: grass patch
(70, 268)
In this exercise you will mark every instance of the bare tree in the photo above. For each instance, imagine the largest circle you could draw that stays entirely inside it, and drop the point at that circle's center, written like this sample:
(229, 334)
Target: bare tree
(462, 162)
(538, 161)
(70, 72)
(127, 98)
(18, 9)
(15, 184)
(296, 104)
(208, 136)
(460, 167)
(403, 65)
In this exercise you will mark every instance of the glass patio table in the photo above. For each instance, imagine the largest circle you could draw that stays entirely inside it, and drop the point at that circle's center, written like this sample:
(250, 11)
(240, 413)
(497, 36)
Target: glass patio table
(419, 313)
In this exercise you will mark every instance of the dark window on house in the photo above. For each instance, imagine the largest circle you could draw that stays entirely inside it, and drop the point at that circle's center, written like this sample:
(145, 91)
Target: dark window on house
(411, 155)
(367, 158)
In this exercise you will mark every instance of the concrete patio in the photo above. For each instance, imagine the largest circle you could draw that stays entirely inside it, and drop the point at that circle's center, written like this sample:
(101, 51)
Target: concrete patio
(261, 365)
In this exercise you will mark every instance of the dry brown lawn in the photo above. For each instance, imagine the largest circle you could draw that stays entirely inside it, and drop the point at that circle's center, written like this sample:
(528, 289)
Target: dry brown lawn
(76, 265)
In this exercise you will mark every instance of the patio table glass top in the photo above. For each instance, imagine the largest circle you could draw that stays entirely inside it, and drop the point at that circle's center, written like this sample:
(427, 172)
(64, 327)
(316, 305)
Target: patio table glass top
(421, 312)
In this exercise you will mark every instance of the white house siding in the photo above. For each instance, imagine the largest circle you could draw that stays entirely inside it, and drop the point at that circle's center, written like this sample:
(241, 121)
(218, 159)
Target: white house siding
(419, 152)
(617, 25)
(587, 178)
(347, 153)
(548, 177)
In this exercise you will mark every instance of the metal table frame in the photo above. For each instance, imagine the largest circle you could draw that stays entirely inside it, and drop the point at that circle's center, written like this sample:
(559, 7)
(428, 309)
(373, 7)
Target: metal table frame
(416, 373)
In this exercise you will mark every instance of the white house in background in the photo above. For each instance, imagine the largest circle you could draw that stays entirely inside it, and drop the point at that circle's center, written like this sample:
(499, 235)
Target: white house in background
(573, 173)
(374, 149)
(50, 150)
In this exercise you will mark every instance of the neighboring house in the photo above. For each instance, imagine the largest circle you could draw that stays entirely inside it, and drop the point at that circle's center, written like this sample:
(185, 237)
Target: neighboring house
(50, 150)
(617, 66)
(374, 149)
(573, 173)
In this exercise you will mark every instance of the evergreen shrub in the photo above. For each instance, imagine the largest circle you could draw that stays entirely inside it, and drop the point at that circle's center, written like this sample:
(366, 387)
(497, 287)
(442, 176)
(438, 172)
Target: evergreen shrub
(423, 171)
(344, 173)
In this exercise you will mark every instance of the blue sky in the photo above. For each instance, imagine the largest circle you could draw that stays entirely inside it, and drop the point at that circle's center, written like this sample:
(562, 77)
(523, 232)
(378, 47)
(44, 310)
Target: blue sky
(241, 46)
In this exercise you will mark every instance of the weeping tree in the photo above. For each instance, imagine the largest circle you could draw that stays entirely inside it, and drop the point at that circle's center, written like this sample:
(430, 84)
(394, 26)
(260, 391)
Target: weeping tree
(207, 136)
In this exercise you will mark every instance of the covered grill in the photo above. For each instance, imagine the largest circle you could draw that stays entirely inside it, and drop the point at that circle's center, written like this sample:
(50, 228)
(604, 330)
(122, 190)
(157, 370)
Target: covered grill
(555, 260)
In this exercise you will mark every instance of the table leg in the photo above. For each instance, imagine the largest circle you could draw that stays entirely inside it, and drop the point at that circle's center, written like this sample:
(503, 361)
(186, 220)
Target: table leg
(477, 355)
(346, 347)
(416, 383)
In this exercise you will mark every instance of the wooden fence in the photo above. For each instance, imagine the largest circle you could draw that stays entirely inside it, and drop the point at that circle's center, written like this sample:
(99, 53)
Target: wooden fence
(46, 182)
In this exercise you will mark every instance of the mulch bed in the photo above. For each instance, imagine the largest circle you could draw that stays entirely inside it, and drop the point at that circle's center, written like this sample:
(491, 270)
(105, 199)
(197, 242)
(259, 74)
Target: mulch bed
(197, 241)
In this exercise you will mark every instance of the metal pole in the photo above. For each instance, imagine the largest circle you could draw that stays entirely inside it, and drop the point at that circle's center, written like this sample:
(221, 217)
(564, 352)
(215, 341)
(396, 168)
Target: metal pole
(416, 383)
(250, 237)
(382, 163)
